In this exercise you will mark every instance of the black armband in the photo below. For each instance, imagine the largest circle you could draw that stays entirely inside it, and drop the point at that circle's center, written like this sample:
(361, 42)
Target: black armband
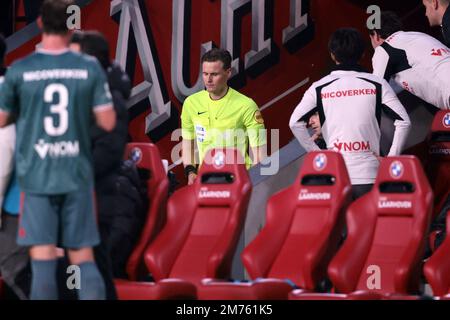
(190, 169)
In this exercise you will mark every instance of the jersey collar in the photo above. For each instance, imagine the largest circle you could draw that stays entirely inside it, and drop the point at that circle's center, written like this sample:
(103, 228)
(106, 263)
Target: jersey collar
(348, 67)
(53, 52)
(221, 99)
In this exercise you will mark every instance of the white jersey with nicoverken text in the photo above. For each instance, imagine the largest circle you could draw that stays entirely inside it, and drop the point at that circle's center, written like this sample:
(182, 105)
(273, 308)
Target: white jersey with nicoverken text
(417, 63)
(349, 104)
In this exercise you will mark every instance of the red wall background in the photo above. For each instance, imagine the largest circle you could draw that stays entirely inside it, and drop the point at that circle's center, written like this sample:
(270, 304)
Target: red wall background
(310, 61)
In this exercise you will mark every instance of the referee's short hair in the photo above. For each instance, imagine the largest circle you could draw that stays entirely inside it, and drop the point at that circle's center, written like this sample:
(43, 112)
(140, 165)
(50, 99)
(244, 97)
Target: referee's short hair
(216, 54)
(390, 24)
(347, 45)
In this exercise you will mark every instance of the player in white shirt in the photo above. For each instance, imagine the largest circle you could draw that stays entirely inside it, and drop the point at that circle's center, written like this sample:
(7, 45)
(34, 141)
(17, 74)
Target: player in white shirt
(349, 102)
(412, 61)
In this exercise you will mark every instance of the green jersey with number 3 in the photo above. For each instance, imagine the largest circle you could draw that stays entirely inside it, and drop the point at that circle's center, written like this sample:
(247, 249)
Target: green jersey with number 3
(53, 95)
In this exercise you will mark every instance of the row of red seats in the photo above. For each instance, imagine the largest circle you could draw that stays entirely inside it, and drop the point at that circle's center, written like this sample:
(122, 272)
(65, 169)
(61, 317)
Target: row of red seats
(301, 235)
(382, 253)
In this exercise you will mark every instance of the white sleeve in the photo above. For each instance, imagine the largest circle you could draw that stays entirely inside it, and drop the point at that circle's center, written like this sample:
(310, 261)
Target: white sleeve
(298, 128)
(7, 144)
(402, 123)
(395, 86)
(380, 61)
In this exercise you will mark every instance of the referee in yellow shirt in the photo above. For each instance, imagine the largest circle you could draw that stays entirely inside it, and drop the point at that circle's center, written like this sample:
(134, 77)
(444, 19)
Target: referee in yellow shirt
(220, 117)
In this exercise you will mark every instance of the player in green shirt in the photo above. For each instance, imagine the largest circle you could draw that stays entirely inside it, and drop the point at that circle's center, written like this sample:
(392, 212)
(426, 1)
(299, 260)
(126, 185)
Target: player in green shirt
(220, 116)
(53, 94)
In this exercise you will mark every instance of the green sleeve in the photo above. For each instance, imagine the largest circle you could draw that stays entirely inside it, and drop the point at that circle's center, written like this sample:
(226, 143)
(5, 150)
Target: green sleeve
(187, 126)
(254, 124)
(102, 94)
(8, 94)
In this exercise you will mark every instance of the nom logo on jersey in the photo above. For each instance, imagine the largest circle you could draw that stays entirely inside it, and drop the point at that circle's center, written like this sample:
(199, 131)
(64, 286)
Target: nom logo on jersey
(136, 155)
(446, 120)
(60, 149)
(320, 162)
(396, 170)
(352, 146)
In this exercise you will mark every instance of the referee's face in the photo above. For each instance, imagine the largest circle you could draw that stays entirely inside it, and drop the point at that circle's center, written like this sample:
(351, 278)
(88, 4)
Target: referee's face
(215, 77)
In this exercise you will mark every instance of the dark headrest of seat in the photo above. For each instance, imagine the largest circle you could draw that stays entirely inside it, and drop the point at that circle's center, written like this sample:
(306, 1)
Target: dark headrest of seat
(221, 177)
(320, 163)
(322, 174)
(145, 156)
(441, 121)
(439, 137)
(402, 169)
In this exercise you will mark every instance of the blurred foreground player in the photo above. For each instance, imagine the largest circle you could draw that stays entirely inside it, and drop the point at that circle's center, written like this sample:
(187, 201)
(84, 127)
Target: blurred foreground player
(52, 95)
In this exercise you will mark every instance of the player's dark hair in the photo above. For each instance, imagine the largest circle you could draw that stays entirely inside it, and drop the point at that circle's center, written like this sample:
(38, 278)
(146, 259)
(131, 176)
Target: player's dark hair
(216, 54)
(95, 44)
(77, 37)
(347, 45)
(2, 49)
(54, 16)
(390, 23)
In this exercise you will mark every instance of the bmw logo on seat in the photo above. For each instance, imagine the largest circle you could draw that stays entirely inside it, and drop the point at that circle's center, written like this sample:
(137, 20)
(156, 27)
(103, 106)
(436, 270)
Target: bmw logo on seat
(446, 120)
(396, 170)
(219, 160)
(320, 162)
(136, 155)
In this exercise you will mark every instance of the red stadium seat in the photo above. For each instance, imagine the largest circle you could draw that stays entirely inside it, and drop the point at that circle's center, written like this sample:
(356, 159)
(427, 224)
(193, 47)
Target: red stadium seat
(382, 255)
(437, 166)
(146, 156)
(437, 268)
(203, 225)
(303, 228)
(434, 153)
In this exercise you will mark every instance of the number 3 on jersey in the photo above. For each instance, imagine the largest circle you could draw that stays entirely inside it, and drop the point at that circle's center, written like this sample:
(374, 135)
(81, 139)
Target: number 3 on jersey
(59, 109)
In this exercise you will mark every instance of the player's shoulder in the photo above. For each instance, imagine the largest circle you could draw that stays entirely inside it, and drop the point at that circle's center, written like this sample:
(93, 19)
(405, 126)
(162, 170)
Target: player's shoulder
(323, 81)
(24, 63)
(371, 77)
(403, 39)
(85, 60)
(196, 98)
(412, 34)
(244, 100)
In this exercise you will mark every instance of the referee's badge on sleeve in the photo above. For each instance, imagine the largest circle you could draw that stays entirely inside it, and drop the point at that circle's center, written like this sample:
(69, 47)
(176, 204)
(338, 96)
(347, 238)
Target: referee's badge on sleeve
(258, 117)
(200, 132)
